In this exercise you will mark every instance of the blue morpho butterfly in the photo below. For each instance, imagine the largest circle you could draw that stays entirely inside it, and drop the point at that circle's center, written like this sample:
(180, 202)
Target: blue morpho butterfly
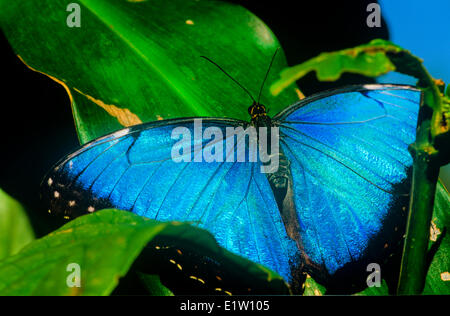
(333, 202)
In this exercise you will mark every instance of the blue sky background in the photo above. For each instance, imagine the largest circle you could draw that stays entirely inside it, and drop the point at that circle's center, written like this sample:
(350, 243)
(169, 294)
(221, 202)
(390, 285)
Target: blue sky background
(423, 27)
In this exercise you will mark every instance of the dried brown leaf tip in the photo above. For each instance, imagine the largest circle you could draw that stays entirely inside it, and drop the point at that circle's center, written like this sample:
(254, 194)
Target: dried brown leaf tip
(124, 116)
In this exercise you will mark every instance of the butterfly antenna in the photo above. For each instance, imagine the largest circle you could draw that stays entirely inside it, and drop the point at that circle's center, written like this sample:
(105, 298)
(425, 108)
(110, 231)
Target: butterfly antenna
(267, 74)
(243, 88)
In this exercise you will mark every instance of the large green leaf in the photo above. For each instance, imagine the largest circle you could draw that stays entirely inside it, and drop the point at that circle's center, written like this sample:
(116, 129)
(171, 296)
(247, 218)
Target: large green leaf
(104, 245)
(139, 61)
(15, 229)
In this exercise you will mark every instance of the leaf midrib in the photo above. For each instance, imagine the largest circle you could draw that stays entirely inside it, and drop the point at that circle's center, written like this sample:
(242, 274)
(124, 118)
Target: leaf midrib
(192, 105)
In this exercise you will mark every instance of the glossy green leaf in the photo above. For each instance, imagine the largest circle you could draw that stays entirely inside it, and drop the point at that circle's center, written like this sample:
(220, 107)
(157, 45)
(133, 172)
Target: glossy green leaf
(369, 60)
(104, 245)
(139, 61)
(15, 229)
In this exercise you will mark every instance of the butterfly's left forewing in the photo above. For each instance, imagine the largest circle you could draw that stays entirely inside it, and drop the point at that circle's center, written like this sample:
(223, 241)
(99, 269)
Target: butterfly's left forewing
(135, 170)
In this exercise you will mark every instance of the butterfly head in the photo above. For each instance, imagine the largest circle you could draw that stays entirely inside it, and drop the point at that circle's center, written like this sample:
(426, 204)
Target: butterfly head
(256, 110)
(258, 114)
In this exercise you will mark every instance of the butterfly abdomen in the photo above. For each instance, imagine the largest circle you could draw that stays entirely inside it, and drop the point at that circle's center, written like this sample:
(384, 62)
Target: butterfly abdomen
(281, 184)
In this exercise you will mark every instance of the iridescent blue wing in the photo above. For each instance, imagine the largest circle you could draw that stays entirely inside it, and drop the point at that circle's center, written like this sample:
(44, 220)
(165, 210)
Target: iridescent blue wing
(133, 170)
(348, 153)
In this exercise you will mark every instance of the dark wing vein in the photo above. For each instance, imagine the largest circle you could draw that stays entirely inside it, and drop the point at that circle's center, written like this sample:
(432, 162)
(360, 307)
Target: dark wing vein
(145, 184)
(170, 188)
(93, 160)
